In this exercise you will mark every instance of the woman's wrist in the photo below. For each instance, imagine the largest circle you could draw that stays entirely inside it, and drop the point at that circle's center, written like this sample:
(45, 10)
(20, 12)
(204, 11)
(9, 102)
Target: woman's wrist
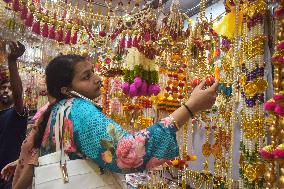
(190, 107)
(188, 110)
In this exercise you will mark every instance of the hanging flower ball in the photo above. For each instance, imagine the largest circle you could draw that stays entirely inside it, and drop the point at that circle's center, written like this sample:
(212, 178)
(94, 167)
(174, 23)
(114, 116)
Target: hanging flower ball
(279, 110)
(139, 92)
(144, 88)
(156, 89)
(279, 151)
(269, 105)
(266, 152)
(125, 88)
(278, 98)
(132, 90)
(138, 82)
(150, 89)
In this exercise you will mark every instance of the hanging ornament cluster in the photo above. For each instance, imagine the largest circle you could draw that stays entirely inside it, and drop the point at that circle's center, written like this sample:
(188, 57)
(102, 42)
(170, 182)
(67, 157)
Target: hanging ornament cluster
(143, 38)
(105, 96)
(42, 23)
(173, 25)
(274, 152)
(141, 77)
(176, 84)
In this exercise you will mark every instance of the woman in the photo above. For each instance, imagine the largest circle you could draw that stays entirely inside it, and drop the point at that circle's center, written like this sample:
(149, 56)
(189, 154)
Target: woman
(89, 133)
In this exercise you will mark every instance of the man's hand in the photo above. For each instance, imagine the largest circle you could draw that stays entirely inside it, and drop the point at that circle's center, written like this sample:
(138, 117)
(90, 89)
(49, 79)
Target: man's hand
(16, 50)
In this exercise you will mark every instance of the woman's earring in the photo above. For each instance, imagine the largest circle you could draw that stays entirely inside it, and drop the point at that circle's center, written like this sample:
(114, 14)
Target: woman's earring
(69, 94)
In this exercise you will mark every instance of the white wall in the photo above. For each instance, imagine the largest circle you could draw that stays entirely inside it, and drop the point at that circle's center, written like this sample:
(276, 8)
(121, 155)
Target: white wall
(216, 9)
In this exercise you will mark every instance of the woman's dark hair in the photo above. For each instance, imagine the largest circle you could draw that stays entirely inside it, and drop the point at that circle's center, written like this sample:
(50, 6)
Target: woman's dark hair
(59, 73)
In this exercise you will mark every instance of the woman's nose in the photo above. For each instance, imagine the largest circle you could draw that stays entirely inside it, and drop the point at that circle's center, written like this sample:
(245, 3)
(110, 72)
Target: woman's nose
(97, 79)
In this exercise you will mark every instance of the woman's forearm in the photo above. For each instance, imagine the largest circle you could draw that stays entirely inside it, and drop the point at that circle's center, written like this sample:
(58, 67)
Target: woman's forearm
(26, 178)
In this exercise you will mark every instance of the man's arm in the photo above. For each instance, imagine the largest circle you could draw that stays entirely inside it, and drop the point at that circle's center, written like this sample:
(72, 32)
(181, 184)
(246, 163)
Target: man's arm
(16, 50)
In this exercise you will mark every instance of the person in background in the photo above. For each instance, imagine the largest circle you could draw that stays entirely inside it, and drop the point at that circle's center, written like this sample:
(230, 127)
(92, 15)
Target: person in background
(13, 115)
(28, 156)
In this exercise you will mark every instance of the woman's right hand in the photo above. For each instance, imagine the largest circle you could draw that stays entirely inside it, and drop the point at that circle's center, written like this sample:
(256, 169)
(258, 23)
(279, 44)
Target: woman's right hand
(8, 171)
(202, 99)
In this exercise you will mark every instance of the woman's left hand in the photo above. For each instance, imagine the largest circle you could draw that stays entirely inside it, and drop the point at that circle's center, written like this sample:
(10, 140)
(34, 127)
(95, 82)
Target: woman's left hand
(8, 171)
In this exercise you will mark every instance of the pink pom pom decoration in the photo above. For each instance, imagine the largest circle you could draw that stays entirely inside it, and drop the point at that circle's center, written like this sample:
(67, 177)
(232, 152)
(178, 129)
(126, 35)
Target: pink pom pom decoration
(150, 89)
(266, 152)
(137, 82)
(278, 59)
(132, 90)
(269, 106)
(156, 89)
(280, 46)
(139, 92)
(279, 110)
(278, 97)
(125, 88)
(144, 88)
(279, 151)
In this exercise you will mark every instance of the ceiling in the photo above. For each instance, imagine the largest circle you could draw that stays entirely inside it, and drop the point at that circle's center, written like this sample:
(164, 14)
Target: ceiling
(190, 7)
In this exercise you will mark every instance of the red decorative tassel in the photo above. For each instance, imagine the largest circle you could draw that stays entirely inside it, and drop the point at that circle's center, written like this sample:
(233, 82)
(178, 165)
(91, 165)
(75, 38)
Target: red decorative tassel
(24, 12)
(147, 37)
(45, 30)
(129, 42)
(139, 40)
(60, 35)
(74, 38)
(52, 33)
(122, 43)
(16, 5)
(30, 20)
(102, 33)
(36, 27)
(135, 42)
(68, 37)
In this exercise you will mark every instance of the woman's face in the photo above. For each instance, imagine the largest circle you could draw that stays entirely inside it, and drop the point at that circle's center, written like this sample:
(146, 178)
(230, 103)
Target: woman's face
(85, 81)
